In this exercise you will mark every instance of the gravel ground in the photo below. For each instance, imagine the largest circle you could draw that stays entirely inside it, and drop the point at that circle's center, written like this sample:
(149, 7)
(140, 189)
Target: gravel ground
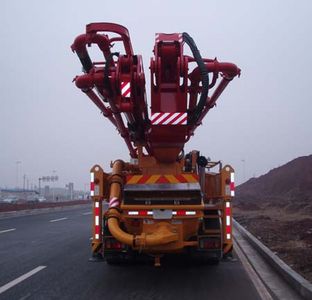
(289, 235)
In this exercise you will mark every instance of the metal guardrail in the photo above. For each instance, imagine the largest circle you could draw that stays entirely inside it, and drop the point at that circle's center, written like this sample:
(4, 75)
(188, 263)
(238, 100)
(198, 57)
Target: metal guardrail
(302, 286)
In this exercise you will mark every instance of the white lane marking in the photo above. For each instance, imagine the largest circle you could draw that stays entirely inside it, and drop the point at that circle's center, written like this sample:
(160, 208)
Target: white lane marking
(56, 220)
(7, 230)
(20, 279)
(87, 213)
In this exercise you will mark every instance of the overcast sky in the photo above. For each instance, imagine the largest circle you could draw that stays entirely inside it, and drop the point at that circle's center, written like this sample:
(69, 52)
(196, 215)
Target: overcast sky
(262, 120)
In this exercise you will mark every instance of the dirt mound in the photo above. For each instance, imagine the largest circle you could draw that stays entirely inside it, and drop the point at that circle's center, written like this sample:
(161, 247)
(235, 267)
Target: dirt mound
(277, 209)
(288, 183)
(288, 235)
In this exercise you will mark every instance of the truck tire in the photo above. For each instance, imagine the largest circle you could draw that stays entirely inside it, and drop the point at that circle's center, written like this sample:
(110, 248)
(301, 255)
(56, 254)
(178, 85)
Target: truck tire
(114, 259)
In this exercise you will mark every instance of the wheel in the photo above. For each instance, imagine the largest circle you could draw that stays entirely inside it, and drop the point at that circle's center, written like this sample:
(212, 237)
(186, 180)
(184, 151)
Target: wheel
(212, 261)
(114, 259)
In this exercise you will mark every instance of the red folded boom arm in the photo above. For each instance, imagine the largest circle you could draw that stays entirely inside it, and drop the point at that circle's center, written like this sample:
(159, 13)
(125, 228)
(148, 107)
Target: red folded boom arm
(116, 85)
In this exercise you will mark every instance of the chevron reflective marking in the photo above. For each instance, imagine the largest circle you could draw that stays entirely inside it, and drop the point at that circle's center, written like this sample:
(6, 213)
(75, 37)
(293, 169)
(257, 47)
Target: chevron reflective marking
(125, 89)
(167, 118)
(169, 178)
(152, 179)
(172, 179)
(113, 202)
(159, 118)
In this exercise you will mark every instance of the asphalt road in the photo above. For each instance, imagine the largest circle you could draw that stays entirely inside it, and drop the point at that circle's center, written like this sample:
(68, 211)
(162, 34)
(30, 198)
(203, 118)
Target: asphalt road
(45, 256)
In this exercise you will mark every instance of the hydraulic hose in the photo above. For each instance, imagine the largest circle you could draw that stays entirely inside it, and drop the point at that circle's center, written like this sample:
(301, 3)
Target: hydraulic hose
(106, 70)
(86, 62)
(205, 78)
(79, 47)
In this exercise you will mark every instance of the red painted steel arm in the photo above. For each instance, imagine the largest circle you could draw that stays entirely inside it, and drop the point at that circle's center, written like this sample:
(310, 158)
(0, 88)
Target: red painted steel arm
(120, 82)
(81, 42)
(116, 28)
(102, 81)
(227, 70)
(97, 101)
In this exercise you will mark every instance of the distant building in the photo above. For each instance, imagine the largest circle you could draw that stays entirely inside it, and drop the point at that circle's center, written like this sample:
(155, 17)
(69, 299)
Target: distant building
(17, 194)
(70, 187)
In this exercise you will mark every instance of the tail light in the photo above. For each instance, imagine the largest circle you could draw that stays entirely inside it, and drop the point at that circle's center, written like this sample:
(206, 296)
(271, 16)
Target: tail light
(113, 244)
(209, 243)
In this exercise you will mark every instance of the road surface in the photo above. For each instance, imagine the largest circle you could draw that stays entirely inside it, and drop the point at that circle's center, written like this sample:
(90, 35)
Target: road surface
(45, 256)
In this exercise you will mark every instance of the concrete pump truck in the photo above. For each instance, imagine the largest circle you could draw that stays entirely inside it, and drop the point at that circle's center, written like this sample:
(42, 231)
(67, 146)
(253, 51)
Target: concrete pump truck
(164, 200)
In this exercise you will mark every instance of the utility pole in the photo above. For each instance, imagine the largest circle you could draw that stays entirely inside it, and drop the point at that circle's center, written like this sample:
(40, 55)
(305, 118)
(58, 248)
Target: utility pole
(39, 180)
(53, 193)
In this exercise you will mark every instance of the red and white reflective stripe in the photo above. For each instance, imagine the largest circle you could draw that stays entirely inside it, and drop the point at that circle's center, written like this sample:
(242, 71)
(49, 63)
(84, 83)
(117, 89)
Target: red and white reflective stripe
(184, 213)
(176, 118)
(232, 185)
(91, 184)
(180, 38)
(228, 225)
(190, 213)
(113, 202)
(97, 228)
(125, 89)
(150, 213)
(140, 213)
(133, 213)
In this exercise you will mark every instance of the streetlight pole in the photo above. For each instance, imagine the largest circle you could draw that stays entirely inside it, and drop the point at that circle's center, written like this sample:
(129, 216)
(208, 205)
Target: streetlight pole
(244, 169)
(53, 171)
(18, 162)
(39, 186)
